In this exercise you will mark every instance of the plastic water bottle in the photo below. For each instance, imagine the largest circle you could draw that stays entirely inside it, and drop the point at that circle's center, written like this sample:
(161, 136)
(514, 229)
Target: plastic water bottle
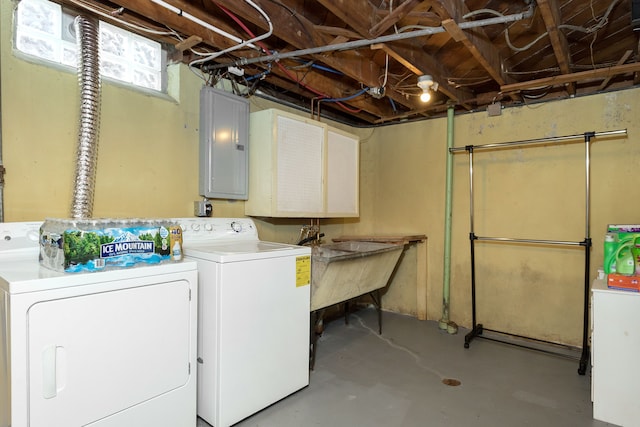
(177, 251)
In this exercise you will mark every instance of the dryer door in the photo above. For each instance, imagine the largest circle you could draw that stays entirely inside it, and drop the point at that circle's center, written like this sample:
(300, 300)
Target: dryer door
(94, 355)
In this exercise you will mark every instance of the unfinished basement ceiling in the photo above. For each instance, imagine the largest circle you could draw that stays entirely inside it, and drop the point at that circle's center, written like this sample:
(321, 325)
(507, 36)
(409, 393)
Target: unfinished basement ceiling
(359, 60)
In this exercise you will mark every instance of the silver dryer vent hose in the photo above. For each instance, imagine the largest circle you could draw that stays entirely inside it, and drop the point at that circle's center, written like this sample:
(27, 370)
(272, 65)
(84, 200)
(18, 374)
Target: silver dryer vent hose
(87, 39)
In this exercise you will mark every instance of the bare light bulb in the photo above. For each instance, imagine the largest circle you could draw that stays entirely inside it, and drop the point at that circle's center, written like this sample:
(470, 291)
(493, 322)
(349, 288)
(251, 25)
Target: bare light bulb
(424, 83)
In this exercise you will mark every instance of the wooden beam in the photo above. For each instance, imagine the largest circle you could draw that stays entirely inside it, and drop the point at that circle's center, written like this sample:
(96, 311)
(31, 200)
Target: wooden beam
(410, 65)
(550, 11)
(409, 50)
(337, 31)
(428, 19)
(481, 49)
(392, 53)
(299, 33)
(622, 60)
(390, 20)
(358, 14)
(179, 23)
(600, 73)
(477, 42)
(188, 43)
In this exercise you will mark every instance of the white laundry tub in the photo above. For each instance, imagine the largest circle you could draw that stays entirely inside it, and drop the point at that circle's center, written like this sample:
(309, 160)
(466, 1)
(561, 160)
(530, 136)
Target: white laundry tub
(346, 270)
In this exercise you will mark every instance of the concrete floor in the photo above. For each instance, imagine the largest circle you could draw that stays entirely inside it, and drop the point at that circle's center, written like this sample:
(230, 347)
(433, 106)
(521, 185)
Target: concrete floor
(396, 380)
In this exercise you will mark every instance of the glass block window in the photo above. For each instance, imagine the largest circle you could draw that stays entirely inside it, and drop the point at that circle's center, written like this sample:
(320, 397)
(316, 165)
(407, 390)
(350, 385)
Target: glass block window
(46, 31)
(128, 57)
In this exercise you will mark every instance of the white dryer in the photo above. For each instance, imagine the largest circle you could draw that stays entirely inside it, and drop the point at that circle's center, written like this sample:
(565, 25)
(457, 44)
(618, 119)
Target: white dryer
(253, 317)
(108, 349)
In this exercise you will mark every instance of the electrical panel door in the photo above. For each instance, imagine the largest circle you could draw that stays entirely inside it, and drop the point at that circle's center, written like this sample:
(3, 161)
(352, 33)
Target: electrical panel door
(224, 144)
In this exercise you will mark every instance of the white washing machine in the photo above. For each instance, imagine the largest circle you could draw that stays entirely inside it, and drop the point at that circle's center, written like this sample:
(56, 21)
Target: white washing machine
(253, 317)
(108, 349)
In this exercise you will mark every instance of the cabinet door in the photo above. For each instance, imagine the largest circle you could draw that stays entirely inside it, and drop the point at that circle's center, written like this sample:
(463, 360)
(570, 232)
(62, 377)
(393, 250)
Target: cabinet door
(92, 356)
(343, 153)
(299, 168)
(224, 144)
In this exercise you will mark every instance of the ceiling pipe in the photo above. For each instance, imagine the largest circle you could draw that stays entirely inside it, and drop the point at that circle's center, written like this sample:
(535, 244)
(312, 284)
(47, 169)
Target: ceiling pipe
(200, 22)
(367, 42)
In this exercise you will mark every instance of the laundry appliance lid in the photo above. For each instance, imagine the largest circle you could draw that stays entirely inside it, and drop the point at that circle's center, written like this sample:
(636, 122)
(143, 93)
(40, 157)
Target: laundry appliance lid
(242, 250)
(27, 275)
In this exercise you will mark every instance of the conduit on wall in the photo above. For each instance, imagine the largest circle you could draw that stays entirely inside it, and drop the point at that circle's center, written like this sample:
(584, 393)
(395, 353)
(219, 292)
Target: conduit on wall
(1, 164)
(445, 322)
(87, 39)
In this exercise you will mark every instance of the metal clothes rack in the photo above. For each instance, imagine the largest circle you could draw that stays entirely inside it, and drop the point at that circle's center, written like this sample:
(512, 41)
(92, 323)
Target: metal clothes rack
(477, 329)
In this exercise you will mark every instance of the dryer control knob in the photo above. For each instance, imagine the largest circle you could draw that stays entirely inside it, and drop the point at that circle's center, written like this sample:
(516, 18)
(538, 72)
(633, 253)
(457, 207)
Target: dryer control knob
(236, 226)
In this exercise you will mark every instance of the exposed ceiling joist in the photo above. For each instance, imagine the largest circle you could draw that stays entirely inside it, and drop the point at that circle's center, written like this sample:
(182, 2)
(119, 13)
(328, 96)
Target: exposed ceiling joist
(410, 50)
(622, 60)
(600, 73)
(550, 11)
(370, 54)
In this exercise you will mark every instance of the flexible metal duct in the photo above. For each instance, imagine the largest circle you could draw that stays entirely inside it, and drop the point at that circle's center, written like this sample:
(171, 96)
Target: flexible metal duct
(87, 39)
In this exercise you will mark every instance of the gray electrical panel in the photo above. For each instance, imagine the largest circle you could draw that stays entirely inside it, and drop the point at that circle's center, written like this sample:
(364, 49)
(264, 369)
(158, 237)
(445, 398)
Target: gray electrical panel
(224, 145)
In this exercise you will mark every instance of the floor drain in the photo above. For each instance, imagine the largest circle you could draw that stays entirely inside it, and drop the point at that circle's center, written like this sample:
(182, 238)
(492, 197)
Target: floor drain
(451, 382)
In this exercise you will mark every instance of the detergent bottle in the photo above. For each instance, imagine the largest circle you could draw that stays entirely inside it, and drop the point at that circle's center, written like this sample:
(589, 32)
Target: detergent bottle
(610, 246)
(625, 263)
(635, 251)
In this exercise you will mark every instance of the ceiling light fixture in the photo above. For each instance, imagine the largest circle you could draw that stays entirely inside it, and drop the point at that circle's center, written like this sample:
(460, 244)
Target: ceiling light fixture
(425, 82)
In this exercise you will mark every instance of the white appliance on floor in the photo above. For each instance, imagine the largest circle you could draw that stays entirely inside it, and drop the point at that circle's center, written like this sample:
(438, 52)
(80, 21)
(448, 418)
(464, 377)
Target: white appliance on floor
(107, 349)
(253, 317)
(615, 346)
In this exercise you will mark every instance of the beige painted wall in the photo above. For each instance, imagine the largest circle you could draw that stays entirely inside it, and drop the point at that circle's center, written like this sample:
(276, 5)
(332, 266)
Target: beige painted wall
(148, 167)
(531, 193)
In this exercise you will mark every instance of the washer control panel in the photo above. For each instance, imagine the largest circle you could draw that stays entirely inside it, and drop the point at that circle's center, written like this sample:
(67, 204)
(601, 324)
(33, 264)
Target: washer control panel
(19, 235)
(203, 229)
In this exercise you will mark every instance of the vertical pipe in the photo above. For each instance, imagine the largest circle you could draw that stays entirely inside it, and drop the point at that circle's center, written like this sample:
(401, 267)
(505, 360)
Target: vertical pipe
(445, 323)
(1, 164)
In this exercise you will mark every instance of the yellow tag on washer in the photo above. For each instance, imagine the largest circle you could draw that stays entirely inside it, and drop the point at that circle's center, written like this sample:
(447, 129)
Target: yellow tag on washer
(303, 270)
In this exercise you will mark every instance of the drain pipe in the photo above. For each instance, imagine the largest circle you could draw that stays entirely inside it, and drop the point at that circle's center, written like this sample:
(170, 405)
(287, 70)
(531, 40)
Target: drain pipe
(87, 35)
(1, 164)
(445, 323)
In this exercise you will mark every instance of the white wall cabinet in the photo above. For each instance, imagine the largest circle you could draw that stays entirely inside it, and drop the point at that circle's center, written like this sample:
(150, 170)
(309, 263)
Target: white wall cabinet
(615, 345)
(301, 168)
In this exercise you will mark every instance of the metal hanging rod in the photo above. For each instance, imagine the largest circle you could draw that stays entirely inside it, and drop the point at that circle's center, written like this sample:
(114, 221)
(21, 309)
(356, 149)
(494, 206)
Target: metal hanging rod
(580, 136)
(546, 242)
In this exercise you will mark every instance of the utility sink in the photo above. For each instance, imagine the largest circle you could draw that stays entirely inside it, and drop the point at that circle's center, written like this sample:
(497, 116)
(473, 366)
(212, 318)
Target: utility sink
(346, 270)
